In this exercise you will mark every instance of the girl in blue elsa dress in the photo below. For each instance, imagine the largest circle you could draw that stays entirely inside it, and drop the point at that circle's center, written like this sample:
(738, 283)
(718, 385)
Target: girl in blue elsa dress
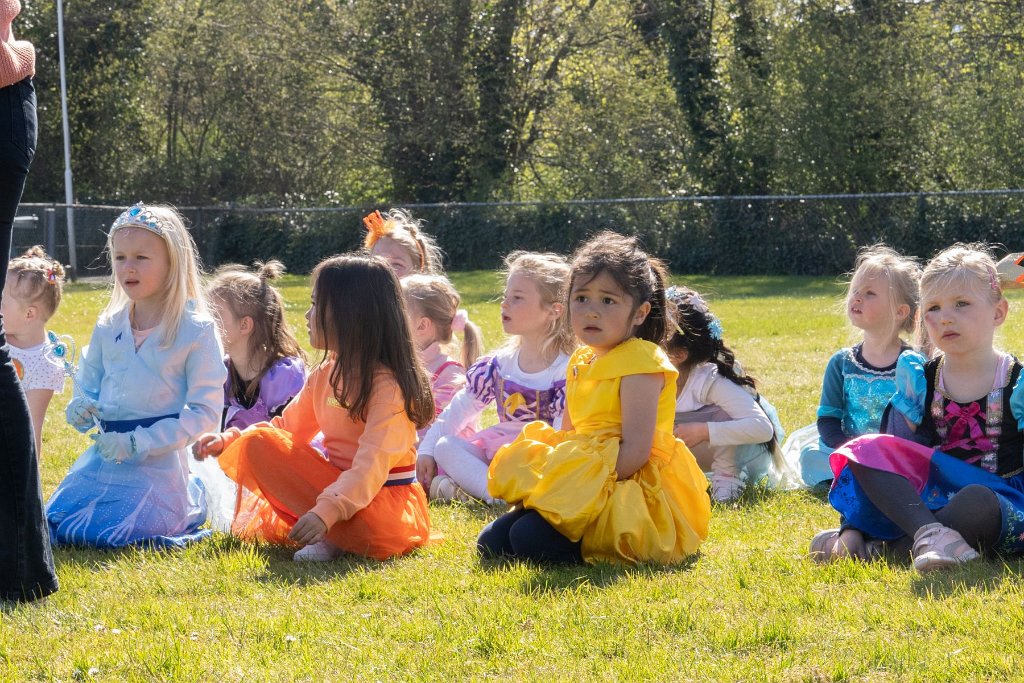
(151, 381)
(882, 302)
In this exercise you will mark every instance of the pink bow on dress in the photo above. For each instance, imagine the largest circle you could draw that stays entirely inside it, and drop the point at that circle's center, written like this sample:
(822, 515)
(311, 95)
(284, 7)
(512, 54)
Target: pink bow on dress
(965, 431)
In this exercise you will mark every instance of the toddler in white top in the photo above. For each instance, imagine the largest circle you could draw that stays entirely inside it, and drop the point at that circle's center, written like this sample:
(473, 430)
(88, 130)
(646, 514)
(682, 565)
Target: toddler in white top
(31, 296)
(728, 426)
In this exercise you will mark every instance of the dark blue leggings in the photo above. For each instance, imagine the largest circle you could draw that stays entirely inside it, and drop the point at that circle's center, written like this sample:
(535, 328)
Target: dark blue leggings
(26, 565)
(524, 534)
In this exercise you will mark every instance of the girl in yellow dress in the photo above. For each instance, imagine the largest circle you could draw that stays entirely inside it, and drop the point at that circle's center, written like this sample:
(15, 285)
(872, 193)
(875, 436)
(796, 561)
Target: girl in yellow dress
(614, 484)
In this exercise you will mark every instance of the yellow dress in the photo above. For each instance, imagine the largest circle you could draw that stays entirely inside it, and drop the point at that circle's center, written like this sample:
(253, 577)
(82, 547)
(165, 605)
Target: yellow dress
(660, 514)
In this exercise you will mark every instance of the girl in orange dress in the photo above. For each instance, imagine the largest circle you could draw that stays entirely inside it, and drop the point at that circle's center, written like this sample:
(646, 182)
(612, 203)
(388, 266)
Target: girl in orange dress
(368, 396)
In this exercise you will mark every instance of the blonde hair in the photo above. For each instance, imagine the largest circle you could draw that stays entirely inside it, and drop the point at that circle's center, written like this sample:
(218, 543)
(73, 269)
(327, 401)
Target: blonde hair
(435, 298)
(184, 282)
(400, 226)
(903, 273)
(249, 294)
(550, 272)
(967, 265)
(37, 280)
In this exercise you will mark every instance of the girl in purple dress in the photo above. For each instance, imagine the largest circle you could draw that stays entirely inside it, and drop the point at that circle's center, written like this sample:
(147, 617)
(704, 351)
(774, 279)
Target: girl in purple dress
(266, 369)
(525, 379)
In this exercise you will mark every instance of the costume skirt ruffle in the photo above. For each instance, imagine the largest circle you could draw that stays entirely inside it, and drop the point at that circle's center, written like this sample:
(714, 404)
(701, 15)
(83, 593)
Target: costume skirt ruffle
(111, 505)
(935, 475)
(660, 514)
(279, 481)
(807, 454)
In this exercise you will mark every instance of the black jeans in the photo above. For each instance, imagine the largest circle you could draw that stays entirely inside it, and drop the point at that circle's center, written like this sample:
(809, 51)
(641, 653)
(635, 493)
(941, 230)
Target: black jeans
(526, 535)
(26, 563)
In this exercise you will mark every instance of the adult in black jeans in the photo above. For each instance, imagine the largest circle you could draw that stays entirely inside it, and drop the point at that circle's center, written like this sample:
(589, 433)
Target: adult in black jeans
(26, 563)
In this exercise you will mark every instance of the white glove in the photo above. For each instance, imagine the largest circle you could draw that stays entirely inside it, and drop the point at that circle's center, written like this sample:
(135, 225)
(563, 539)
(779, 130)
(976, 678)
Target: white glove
(83, 413)
(116, 446)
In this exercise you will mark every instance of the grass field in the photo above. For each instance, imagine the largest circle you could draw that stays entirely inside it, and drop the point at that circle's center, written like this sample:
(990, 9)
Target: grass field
(749, 607)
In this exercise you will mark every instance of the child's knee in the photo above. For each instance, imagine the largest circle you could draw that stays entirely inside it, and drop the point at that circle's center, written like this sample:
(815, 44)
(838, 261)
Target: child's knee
(491, 542)
(980, 500)
(448, 445)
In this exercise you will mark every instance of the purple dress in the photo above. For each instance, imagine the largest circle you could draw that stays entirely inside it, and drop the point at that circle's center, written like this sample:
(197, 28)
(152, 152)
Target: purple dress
(516, 404)
(277, 387)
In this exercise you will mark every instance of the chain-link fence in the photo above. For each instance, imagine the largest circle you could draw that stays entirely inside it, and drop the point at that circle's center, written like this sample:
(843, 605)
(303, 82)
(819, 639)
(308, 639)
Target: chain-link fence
(812, 235)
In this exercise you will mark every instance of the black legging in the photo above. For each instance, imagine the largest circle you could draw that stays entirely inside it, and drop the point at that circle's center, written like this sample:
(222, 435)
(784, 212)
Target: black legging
(524, 534)
(973, 511)
(26, 564)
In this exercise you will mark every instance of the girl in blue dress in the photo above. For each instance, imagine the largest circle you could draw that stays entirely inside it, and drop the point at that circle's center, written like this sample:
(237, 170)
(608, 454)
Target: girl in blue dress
(151, 381)
(882, 302)
(948, 481)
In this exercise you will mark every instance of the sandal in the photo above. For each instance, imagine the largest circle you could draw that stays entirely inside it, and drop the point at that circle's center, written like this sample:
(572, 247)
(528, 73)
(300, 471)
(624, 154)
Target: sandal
(823, 547)
(939, 547)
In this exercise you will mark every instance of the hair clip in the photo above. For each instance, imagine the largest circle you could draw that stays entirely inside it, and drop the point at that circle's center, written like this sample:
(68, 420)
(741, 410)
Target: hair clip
(375, 225)
(51, 275)
(141, 217)
(993, 280)
(696, 302)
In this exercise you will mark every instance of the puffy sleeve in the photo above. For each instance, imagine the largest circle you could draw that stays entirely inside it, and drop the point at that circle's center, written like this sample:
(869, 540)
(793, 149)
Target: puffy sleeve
(281, 383)
(480, 380)
(832, 400)
(388, 438)
(465, 406)
(1017, 401)
(204, 397)
(911, 386)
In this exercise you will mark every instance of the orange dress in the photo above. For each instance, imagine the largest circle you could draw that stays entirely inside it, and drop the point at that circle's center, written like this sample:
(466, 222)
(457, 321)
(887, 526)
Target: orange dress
(365, 491)
(658, 514)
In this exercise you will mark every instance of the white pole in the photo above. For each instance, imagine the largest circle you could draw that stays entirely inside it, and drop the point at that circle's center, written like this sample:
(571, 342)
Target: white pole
(69, 193)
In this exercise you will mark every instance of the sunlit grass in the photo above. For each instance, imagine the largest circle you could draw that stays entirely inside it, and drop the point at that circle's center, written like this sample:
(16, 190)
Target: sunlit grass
(750, 607)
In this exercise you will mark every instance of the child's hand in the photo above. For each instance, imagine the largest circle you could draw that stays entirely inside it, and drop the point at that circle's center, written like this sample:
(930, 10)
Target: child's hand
(82, 413)
(115, 446)
(426, 470)
(309, 529)
(208, 444)
(692, 433)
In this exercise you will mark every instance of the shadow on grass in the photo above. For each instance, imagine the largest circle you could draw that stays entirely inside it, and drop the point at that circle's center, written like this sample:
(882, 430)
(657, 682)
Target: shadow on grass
(759, 494)
(987, 575)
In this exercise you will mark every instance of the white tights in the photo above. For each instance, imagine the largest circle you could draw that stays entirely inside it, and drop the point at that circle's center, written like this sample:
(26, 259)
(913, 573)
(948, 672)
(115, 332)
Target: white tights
(465, 463)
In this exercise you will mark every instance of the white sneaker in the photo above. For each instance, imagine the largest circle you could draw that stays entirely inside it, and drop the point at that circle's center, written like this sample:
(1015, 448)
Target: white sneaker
(324, 551)
(725, 487)
(444, 488)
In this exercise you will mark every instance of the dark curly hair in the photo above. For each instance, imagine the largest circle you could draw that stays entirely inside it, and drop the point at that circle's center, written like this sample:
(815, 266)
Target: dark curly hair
(642, 277)
(699, 333)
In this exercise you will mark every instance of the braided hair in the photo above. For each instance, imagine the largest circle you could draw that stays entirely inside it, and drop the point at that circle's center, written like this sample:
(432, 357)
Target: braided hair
(699, 333)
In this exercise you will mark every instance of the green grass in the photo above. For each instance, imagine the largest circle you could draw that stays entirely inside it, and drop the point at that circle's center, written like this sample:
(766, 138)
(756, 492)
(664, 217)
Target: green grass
(750, 607)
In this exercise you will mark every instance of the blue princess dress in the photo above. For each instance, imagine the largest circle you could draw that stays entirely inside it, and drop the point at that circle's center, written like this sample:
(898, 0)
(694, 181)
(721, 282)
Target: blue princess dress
(854, 393)
(165, 397)
(956, 444)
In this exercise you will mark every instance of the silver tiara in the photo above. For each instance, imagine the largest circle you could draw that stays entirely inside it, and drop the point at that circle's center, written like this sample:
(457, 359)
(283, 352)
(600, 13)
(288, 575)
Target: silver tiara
(139, 216)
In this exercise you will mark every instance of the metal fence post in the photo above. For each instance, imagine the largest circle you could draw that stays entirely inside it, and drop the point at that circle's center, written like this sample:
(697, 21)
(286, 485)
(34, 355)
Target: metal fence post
(50, 227)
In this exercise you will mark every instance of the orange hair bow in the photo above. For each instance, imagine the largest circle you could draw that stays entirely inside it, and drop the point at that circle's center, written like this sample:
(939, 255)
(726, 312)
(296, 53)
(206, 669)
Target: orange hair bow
(376, 226)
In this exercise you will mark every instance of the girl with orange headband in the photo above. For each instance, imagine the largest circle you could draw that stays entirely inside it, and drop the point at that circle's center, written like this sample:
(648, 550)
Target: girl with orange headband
(399, 239)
